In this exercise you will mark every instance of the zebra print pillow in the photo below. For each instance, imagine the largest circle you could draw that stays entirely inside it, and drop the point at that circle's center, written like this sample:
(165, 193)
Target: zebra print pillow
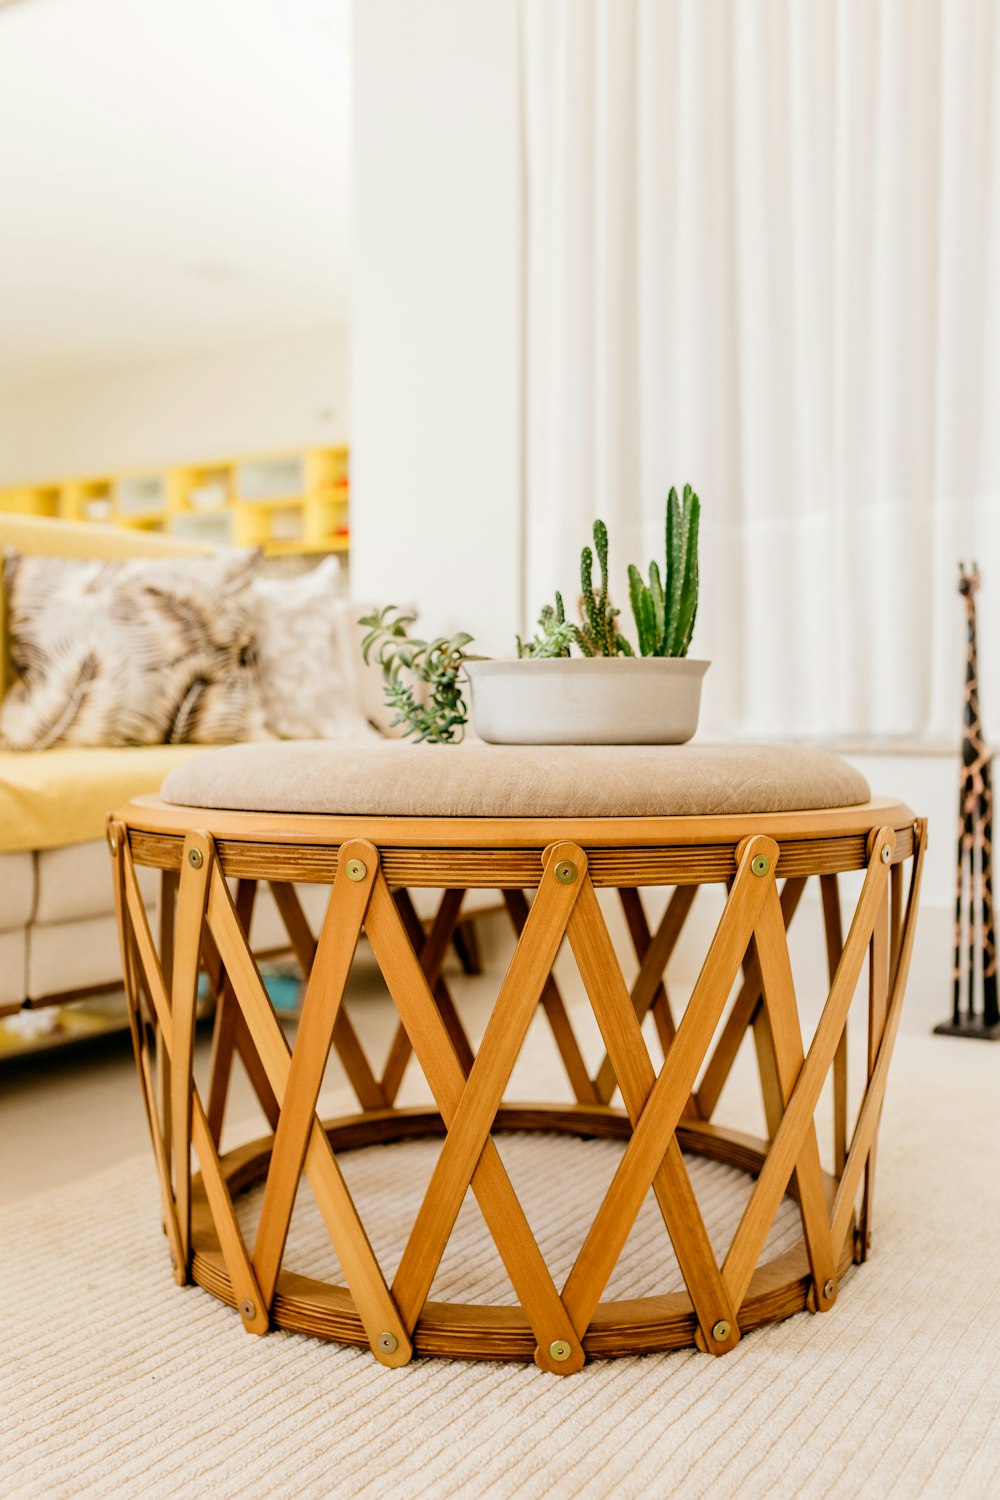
(140, 652)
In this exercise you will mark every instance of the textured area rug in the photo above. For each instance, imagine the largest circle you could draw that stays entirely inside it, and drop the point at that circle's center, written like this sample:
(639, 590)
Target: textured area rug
(116, 1382)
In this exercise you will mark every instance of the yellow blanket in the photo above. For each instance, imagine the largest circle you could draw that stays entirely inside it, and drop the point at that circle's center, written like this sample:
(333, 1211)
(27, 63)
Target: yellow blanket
(62, 796)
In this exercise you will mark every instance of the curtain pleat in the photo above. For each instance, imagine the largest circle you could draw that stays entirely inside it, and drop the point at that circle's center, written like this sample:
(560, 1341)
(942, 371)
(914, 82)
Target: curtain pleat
(763, 257)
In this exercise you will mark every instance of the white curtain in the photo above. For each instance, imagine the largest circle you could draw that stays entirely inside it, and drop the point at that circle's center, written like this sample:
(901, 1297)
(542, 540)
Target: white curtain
(763, 257)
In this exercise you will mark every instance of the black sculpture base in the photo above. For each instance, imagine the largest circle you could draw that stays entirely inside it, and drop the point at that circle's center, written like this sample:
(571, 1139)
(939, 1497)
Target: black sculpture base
(971, 1026)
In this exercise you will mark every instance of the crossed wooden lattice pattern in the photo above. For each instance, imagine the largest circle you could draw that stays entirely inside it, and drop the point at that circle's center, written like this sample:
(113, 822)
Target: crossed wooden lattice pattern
(210, 930)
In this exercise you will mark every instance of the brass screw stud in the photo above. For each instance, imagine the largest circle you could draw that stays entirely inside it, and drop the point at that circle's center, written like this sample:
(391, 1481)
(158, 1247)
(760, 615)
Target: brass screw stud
(196, 858)
(760, 864)
(886, 854)
(248, 1310)
(387, 1342)
(560, 1350)
(722, 1329)
(829, 1287)
(565, 874)
(357, 870)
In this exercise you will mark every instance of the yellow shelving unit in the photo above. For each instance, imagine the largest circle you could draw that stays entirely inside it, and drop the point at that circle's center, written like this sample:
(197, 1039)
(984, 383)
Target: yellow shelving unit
(290, 502)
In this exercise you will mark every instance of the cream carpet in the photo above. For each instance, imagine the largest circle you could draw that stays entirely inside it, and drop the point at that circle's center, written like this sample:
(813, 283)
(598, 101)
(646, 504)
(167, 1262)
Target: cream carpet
(115, 1382)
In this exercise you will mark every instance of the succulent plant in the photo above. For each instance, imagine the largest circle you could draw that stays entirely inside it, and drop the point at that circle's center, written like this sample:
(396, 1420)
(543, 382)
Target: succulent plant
(599, 634)
(665, 609)
(423, 679)
(556, 634)
(439, 716)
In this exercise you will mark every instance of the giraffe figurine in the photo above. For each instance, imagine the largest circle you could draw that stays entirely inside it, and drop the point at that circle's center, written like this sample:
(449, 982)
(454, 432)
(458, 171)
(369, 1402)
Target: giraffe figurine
(975, 853)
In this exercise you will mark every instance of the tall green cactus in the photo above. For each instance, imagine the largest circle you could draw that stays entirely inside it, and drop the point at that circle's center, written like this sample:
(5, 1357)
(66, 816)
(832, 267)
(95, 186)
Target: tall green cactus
(665, 611)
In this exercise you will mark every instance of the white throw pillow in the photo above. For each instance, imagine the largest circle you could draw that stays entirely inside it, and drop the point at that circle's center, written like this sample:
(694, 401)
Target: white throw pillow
(139, 651)
(308, 688)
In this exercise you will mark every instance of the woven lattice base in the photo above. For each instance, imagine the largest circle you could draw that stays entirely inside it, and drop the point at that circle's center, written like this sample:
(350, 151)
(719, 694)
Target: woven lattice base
(562, 1314)
(305, 1304)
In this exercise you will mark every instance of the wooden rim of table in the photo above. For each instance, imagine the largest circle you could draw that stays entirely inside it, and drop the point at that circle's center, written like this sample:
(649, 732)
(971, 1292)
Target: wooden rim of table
(494, 853)
(642, 1325)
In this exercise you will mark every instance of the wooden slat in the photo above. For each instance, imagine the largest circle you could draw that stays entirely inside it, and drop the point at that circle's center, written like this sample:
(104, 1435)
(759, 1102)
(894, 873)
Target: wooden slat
(199, 854)
(296, 923)
(511, 1232)
(305, 830)
(253, 1314)
(469, 1125)
(786, 1038)
(122, 874)
(556, 1013)
(249, 1302)
(834, 932)
(245, 901)
(767, 1068)
(762, 1206)
(653, 959)
(321, 1004)
(741, 1014)
(638, 926)
(230, 1037)
(665, 1105)
(868, 1118)
(431, 948)
(878, 994)
(168, 903)
(364, 1277)
(617, 1016)
(895, 919)
(243, 909)
(170, 1224)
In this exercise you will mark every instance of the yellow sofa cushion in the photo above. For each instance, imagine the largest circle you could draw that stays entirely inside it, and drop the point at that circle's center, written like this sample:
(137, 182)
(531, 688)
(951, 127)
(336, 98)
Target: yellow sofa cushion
(63, 796)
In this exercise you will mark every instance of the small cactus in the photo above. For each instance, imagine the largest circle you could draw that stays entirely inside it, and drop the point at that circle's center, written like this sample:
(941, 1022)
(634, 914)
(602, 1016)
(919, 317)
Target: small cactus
(556, 636)
(665, 611)
(600, 635)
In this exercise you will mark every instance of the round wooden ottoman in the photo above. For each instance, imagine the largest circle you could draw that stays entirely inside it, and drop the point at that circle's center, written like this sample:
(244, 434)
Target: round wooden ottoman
(549, 828)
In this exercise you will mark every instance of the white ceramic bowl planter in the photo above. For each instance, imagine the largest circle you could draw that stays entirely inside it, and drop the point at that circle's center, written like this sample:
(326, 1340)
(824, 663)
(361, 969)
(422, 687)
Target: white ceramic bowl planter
(624, 700)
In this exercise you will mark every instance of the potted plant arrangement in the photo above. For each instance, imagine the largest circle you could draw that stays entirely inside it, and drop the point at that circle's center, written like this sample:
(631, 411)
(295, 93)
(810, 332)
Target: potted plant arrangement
(608, 693)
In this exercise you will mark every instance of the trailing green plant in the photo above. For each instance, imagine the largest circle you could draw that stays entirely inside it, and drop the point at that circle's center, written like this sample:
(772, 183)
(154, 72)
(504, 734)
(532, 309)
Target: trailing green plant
(438, 716)
(665, 609)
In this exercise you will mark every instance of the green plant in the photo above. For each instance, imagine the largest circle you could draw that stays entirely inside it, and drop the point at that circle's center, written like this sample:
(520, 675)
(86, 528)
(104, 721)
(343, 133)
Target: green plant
(598, 634)
(423, 679)
(439, 716)
(556, 635)
(665, 610)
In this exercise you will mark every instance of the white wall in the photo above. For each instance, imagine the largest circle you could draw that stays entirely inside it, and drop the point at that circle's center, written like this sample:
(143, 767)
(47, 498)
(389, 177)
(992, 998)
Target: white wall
(436, 342)
(280, 392)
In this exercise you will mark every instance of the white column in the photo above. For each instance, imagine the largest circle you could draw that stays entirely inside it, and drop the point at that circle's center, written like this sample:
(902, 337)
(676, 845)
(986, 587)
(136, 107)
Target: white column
(436, 314)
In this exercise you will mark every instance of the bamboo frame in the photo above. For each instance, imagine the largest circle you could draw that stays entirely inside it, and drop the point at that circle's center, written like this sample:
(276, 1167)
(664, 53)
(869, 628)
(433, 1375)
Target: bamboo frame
(667, 1106)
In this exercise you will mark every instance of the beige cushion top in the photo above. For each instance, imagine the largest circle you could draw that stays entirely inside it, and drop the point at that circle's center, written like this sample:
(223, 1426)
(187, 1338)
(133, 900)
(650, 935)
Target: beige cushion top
(510, 781)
